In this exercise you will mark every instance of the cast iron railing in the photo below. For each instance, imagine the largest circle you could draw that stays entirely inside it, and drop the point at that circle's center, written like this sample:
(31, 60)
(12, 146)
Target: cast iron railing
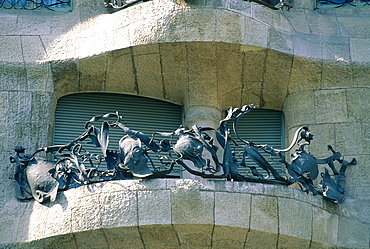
(51, 5)
(333, 4)
(202, 151)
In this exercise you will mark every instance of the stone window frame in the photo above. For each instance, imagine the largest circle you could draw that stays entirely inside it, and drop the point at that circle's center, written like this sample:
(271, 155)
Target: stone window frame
(37, 5)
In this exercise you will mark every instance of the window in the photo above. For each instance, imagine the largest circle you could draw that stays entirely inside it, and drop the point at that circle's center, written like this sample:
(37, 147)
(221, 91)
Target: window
(260, 126)
(43, 5)
(138, 113)
(333, 4)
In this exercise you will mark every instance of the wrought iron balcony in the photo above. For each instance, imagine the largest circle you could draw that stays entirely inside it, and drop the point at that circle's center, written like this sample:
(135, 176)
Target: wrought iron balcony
(51, 5)
(273, 4)
(333, 4)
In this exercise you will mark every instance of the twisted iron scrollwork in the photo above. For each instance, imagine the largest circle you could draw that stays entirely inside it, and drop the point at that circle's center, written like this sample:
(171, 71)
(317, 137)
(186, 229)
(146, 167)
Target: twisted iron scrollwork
(53, 5)
(273, 4)
(73, 165)
(332, 4)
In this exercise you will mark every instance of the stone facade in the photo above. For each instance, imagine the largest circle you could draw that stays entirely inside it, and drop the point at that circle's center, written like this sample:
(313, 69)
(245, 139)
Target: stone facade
(169, 213)
(205, 56)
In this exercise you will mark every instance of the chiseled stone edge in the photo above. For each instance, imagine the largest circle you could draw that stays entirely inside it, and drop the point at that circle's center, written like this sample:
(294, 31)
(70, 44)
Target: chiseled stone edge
(182, 207)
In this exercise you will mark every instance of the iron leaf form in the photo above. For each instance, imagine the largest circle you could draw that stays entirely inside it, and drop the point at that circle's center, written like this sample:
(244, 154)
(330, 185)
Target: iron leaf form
(73, 165)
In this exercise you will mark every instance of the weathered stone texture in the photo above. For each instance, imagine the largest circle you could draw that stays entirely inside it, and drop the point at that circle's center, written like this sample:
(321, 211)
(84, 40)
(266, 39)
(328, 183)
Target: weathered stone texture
(336, 75)
(305, 74)
(264, 214)
(92, 73)
(358, 101)
(264, 222)
(312, 65)
(65, 77)
(149, 74)
(360, 49)
(278, 67)
(256, 33)
(302, 231)
(154, 207)
(119, 209)
(229, 69)
(120, 75)
(159, 236)
(324, 227)
(254, 63)
(124, 237)
(91, 239)
(331, 106)
(197, 216)
(260, 239)
(174, 71)
(227, 204)
(13, 76)
(352, 234)
(194, 207)
(299, 109)
(11, 49)
(86, 215)
(200, 25)
(194, 236)
(233, 24)
(228, 237)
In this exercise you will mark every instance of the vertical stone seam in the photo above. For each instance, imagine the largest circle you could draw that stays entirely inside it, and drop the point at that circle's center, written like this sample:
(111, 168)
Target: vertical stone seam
(347, 109)
(74, 239)
(321, 72)
(20, 39)
(217, 73)
(214, 218)
(24, 67)
(315, 105)
(105, 236)
(43, 46)
(352, 67)
(162, 76)
(242, 79)
(71, 226)
(134, 70)
(79, 75)
(137, 221)
(101, 209)
(311, 227)
(262, 101)
(187, 81)
(278, 215)
(249, 221)
(290, 75)
(106, 71)
(177, 236)
(306, 21)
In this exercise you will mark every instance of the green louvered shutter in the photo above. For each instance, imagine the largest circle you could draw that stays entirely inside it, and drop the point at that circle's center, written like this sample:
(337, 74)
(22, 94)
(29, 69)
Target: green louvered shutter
(261, 126)
(138, 113)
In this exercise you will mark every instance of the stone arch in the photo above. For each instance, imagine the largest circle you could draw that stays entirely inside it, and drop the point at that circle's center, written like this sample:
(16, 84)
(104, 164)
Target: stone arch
(197, 75)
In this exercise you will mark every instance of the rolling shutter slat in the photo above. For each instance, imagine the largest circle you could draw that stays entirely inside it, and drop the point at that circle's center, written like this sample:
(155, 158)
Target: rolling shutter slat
(138, 113)
(261, 126)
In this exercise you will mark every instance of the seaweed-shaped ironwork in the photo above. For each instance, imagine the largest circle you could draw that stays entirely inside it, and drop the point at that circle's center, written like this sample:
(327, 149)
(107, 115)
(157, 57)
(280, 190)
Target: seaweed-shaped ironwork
(73, 165)
(52, 5)
(333, 4)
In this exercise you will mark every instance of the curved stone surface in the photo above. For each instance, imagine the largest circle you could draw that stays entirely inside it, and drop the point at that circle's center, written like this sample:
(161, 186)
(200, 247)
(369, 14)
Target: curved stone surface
(173, 213)
(90, 29)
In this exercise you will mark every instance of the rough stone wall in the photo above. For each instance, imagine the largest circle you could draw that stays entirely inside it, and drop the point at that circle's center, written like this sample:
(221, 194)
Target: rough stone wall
(312, 65)
(168, 213)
